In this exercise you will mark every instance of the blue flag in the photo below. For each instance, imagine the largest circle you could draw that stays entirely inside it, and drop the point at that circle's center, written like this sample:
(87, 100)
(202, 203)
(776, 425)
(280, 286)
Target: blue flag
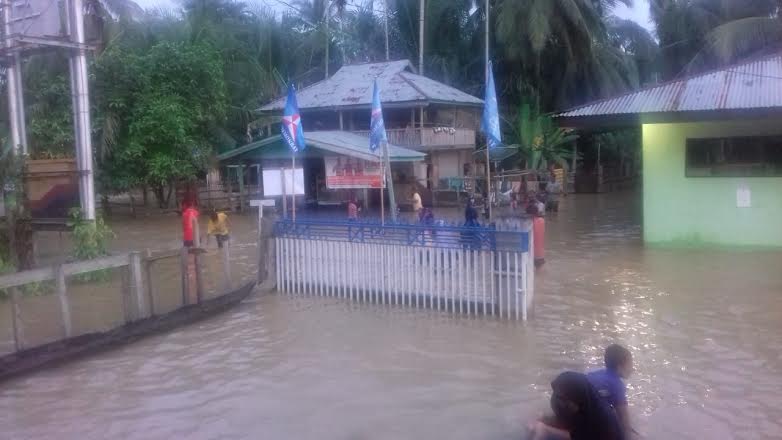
(490, 124)
(291, 124)
(377, 132)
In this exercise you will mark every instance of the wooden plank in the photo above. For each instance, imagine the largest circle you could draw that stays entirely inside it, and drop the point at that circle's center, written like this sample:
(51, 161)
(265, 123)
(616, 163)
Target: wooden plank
(80, 267)
(62, 295)
(169, 253)
(26, 277)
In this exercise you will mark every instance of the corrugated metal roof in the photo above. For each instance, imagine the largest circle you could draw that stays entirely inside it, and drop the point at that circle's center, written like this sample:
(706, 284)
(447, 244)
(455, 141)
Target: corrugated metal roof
(351, 86)
(751, 85)
(338, 142)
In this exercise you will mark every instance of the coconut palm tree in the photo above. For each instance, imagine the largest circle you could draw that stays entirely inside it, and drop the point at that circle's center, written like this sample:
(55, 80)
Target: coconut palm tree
(566, 51)
(700, 34)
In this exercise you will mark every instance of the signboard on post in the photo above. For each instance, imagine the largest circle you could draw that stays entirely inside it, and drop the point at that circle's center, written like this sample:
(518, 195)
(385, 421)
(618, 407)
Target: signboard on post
(273, 182)
(350, 173)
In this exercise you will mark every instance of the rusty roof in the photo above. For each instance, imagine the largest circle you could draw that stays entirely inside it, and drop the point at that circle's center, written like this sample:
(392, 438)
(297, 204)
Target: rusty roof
(351, 87)
(752, 85)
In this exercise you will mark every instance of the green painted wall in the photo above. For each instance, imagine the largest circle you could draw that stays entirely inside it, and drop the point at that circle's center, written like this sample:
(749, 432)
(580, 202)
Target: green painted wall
(702, 211)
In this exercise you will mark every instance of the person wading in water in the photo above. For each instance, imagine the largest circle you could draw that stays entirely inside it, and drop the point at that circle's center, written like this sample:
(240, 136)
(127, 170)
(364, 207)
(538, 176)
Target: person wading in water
(579, 413)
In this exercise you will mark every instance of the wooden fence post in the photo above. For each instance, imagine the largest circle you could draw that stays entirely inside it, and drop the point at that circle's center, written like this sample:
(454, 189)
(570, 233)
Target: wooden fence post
(16, 318)
(137, 283)
(148, 274)
(228, 282)
(198, 280)
(62, 295)
(183, 256)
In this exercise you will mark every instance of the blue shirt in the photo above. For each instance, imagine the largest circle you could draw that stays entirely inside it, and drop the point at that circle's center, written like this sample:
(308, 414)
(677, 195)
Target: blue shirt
(609, 386)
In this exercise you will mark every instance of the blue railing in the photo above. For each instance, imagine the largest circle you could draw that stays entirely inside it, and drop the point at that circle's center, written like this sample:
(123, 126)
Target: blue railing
(439, 234)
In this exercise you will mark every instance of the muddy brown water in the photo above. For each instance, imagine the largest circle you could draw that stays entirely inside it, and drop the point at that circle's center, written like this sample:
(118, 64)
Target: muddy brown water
(704, 327)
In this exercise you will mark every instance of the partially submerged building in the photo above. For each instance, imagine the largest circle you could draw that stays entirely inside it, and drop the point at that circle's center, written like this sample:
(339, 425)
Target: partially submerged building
(433, 121)
(712, 153)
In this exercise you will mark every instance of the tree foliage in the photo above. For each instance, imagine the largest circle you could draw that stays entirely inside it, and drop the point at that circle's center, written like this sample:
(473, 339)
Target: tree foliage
(172, 87)
(171, 99)
(538, 139)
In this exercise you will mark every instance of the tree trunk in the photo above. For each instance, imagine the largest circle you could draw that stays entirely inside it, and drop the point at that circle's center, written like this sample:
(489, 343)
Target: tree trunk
(160, 195)
(104, 203)
(144, 194)
(168, 196)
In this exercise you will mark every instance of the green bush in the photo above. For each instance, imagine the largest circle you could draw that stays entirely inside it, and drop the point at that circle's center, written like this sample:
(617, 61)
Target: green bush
(90, 240)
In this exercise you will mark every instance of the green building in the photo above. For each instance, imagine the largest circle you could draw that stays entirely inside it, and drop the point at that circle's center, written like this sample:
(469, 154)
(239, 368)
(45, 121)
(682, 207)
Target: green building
(712, 154)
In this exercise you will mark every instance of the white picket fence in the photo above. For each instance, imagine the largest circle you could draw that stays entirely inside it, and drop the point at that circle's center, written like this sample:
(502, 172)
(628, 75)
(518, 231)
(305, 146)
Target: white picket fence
(456, 280)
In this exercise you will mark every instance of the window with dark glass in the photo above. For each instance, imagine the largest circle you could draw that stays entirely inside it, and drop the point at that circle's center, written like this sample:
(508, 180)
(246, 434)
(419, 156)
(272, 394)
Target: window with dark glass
(757, 156)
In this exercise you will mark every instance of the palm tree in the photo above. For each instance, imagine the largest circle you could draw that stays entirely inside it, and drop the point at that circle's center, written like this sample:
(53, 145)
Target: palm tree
(699, 34)
(449, 34)
(539, 141)
(564, 51)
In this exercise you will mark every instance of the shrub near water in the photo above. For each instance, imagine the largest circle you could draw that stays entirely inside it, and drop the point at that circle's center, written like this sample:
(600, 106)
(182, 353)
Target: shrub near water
(90, 240)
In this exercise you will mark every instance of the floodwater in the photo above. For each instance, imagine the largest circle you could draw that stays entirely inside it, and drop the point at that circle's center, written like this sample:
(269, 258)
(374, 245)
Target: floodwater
(704, 327)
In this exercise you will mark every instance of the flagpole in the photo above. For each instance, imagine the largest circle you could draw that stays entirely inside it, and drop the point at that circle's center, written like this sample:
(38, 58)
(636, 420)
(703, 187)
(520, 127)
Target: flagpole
(488, 161)
(382, 193)
(284, 194)
(488, 182)
(293, 183)
(389, 179)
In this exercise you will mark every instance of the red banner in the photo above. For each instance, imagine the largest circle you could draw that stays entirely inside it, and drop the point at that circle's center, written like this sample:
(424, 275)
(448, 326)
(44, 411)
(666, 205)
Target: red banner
(351, 173)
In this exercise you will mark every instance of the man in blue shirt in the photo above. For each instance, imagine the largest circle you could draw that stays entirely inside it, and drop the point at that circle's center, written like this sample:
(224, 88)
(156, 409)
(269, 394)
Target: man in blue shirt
(609, 385)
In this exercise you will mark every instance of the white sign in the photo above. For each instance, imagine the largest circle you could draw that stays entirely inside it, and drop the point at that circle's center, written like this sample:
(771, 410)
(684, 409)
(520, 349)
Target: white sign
(273, 182)
(743, 197)
(257, 203)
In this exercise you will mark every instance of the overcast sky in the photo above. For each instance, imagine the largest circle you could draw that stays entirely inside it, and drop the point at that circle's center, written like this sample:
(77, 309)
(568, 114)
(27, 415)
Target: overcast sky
(639, 12)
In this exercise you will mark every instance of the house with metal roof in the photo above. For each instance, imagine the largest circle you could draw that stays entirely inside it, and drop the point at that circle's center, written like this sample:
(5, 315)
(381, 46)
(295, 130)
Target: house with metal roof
(712, 153)
(420, 114)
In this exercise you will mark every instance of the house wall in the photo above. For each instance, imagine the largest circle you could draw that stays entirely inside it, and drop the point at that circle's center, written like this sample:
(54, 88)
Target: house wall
(703, 210)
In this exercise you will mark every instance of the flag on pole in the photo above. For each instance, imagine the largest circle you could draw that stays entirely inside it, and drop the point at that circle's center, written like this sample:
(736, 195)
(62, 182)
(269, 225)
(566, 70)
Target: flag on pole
(292, 131)
(377, 133)
(490, 124)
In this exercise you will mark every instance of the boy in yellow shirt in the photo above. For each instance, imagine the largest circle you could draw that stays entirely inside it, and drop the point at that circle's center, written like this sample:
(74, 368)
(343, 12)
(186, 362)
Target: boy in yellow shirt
(217, 226)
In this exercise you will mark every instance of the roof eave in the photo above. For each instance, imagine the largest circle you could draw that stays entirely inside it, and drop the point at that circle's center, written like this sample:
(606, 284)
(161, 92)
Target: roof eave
(368, 106)
(635, 119)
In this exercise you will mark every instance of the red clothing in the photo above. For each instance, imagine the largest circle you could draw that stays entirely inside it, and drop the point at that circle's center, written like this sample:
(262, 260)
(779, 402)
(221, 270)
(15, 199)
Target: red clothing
(539, 231)
(352, 211)
(188, 215)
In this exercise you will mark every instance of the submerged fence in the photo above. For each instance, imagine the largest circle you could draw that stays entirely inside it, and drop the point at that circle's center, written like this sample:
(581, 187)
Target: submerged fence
(69, 300)
(465, 270)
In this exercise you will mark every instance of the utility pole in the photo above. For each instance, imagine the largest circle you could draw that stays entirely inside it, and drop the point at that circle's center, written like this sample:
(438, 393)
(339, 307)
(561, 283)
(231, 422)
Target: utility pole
(421, 38)
(81, 113)
(328, 40)
(11, 84)
(385, 25)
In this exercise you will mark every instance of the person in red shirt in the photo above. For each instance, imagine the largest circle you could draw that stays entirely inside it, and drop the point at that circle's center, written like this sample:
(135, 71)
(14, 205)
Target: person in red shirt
(189, 224)
(352, 209)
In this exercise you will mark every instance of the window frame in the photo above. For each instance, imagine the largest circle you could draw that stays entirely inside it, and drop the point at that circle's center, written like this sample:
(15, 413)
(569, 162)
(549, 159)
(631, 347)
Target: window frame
(689, 142)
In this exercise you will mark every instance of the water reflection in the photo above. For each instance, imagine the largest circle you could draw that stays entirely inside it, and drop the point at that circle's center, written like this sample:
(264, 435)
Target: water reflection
(704, 327)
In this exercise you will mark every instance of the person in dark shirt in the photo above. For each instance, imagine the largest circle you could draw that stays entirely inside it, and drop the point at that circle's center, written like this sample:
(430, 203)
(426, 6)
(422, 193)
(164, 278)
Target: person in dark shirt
(579, 413)
(609, 385)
